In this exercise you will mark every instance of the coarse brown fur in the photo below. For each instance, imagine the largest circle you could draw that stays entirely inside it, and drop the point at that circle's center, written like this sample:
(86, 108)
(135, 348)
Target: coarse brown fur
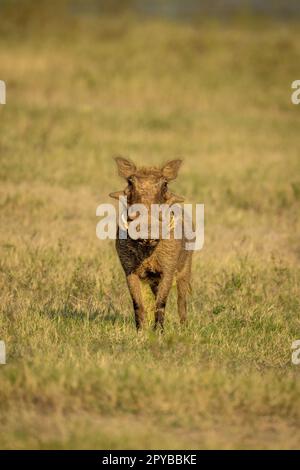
(156, 261)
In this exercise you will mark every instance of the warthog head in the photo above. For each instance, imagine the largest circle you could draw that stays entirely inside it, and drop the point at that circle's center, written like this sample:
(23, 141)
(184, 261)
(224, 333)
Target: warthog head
(147, 186)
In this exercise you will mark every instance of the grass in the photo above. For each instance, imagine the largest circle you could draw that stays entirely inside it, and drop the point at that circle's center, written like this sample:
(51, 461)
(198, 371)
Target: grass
(217, 93)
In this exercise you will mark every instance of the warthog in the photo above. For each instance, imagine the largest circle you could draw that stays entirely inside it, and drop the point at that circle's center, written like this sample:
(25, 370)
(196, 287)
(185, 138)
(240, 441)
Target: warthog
(158, 261)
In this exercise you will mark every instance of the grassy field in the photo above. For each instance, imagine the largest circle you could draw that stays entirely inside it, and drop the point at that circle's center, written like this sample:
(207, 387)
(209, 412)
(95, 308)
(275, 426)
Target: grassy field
(80, 90)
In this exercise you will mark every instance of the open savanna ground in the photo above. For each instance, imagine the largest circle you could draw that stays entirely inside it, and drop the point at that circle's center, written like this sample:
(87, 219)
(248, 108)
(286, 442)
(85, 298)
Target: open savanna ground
(80, 90)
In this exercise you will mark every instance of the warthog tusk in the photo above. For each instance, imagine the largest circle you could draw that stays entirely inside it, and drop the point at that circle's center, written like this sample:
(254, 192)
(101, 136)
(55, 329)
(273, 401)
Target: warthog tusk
(172, 222)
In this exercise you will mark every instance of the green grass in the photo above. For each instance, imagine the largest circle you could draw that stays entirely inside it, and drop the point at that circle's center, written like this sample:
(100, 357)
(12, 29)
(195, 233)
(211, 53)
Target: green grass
(218, 94)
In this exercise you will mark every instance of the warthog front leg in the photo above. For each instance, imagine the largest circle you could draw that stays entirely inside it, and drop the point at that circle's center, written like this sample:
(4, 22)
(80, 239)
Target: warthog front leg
(134, 287)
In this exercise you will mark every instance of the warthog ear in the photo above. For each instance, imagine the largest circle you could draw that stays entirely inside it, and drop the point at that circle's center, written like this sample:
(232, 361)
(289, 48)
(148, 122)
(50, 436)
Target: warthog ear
(170, 169)
(117, 194)
(126, 167)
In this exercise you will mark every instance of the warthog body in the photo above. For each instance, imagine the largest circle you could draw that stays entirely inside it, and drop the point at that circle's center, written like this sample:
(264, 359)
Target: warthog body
(157, 261)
